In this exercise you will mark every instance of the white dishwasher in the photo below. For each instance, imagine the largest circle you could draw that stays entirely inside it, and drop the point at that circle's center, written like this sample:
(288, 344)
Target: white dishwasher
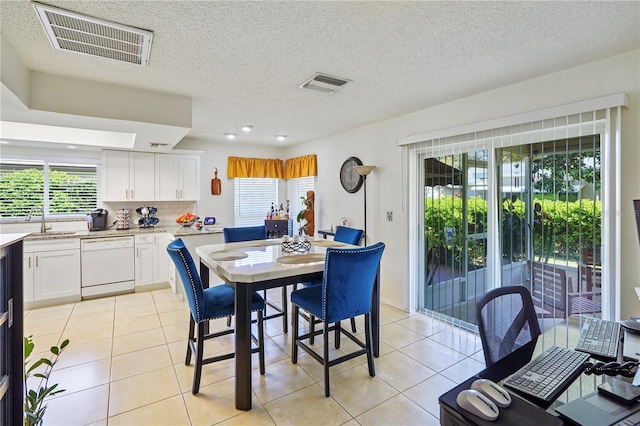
(108, 265)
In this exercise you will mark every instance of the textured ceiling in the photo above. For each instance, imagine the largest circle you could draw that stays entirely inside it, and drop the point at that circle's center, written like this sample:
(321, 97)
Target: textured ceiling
(242, 62)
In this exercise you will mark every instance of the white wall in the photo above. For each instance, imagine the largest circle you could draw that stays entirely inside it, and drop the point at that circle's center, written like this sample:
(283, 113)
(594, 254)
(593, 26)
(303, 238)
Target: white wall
(376, 144)
(215, 155)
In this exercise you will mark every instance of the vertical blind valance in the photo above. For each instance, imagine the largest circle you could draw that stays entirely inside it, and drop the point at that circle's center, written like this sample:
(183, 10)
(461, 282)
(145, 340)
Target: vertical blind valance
(303, 166)
(240, 167)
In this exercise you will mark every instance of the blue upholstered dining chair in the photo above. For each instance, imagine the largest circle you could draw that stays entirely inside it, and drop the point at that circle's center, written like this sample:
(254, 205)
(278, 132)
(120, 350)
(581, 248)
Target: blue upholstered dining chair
(343, 234)
(352, 236)
(250, 233)
(206, 304)
(244, 233)
(346, 292)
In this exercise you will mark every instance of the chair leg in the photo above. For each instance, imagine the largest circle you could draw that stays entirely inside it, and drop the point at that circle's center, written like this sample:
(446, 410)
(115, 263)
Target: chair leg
(192, 323)
(198, 367)
(367, 334)
(261, 341)
(353, 325)
(294, 340)
(325, 362)
(285, 311)
(312, 328)
(336, 337)
(229, 321)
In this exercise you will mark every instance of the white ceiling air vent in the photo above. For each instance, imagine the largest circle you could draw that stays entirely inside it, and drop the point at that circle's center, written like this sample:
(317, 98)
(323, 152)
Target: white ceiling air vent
(156, 145)
(92, 36)
(324, 83)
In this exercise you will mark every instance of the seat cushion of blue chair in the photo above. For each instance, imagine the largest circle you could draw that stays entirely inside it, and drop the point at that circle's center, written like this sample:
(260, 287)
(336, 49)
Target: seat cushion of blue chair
(309, 299)
(219, 301)
(310, 283)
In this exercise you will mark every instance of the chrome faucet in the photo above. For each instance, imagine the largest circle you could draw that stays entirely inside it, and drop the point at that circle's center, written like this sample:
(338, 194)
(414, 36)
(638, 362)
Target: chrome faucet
(43, 226)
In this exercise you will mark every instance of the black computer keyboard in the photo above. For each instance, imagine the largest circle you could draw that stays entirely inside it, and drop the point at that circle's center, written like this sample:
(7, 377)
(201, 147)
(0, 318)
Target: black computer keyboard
(632, 420)
(547, 374)
(599, 337)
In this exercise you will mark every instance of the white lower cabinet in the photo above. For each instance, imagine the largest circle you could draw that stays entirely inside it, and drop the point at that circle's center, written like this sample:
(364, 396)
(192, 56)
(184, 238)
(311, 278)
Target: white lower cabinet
(152, 260)
(51, 270)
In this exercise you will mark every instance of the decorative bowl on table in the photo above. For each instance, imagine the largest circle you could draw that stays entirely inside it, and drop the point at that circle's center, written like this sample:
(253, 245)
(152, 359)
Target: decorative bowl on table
(295, 245)
(188, 224)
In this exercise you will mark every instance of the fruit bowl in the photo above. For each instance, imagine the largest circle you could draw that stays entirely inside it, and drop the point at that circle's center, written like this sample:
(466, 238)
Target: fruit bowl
(188, 224)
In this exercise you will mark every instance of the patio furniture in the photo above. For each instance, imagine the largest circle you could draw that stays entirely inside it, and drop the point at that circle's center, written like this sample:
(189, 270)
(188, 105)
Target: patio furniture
(553, 294)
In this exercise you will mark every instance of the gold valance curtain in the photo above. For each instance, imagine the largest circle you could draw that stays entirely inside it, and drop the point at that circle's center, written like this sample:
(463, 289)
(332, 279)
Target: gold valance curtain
(239, 167)
(301, 167)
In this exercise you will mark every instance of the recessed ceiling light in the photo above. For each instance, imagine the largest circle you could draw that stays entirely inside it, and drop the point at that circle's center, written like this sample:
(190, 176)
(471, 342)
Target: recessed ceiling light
(230, 135)
(281, 137)
(246, 128)
(71, 146)
(4, 142)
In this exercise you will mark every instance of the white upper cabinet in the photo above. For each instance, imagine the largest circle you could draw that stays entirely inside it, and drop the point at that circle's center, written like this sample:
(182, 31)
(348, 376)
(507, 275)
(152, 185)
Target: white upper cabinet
(128, 176)
(177, 177)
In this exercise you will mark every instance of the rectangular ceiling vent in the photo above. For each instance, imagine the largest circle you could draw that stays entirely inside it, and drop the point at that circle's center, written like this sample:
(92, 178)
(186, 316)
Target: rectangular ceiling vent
(324, 83)
(158, 145)
(83, 34)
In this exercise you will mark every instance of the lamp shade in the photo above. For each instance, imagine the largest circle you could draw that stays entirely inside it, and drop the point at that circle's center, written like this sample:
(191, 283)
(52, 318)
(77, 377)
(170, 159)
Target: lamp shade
(364, 170)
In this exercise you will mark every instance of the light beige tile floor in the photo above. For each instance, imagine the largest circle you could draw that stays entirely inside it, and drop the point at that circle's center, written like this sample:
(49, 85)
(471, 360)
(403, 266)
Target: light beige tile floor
(125, 366)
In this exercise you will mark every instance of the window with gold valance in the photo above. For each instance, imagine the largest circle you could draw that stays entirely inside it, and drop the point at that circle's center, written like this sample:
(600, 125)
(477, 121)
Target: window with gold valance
(303, 166)
(240, 167)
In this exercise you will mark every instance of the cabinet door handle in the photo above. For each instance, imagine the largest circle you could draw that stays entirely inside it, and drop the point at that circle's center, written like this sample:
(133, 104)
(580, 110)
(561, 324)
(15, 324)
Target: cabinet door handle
(36, 261)
(29, 262)
(132, 196)
(181, 193)
(177, 196)
(126, 191)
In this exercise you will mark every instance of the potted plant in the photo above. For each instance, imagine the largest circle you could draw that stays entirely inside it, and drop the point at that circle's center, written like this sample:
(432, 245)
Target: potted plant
(34, 406)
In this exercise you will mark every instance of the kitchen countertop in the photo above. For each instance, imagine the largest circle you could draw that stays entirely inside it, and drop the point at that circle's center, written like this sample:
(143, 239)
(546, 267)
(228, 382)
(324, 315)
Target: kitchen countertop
(177, 231)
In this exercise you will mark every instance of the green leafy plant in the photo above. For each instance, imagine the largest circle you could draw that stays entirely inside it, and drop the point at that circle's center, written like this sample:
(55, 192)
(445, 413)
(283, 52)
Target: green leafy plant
(34, 406)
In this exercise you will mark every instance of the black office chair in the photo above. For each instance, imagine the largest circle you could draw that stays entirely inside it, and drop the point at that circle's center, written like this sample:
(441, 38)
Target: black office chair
(507, 321)
(251, 233)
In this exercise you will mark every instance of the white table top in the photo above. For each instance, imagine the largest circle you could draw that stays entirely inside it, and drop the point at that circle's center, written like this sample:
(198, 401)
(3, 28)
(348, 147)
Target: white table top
(254, 261)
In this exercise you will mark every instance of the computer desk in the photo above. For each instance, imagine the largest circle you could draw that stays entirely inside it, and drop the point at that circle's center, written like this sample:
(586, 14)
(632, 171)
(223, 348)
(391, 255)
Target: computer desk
(522, 411)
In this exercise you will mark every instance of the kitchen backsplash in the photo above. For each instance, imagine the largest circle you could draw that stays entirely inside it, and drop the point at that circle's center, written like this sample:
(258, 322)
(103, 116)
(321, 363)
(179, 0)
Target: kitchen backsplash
(168, 211)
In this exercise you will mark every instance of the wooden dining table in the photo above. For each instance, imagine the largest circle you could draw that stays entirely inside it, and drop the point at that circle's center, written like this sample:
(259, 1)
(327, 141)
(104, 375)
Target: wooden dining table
(256, 265)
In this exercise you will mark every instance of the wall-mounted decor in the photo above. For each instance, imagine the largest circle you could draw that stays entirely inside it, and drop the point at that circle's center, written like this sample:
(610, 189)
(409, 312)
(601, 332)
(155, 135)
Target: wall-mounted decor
(216, 184)
(349, 178)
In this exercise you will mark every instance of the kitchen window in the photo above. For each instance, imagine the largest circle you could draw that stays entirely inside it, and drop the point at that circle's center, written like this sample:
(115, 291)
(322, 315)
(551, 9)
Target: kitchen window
(253, 199)
(61, 188)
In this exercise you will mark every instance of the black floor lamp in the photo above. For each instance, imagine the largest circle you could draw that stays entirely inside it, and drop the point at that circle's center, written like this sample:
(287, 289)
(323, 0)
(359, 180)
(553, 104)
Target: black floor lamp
(364, 172)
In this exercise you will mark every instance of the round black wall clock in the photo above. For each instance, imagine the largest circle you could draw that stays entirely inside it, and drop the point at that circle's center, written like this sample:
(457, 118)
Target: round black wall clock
(350, 179)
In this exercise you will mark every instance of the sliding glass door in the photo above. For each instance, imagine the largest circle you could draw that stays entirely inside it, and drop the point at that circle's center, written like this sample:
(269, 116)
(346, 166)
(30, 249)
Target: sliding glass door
(455, 233)
(547, 231)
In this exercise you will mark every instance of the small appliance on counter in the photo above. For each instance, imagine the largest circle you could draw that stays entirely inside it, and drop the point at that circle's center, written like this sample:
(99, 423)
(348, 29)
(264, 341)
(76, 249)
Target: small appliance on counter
(97, 220)
(122, 219)
(147, 216)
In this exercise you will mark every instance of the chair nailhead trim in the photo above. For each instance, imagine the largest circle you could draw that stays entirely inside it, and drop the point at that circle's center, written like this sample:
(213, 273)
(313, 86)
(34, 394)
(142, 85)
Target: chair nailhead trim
(192, 283)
